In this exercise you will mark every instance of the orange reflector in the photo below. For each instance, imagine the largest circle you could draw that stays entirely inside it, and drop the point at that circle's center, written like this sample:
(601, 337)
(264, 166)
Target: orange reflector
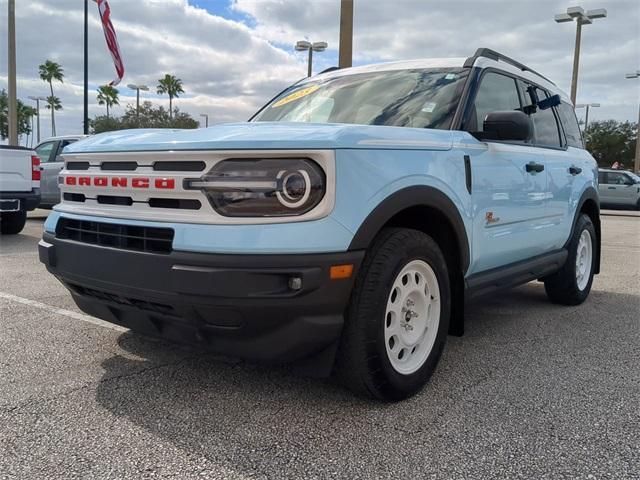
(341, 271)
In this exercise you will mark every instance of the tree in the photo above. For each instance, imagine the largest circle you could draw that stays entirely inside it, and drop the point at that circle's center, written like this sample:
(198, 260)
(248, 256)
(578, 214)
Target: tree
(50, 71)
(172, 86)
(108, 95)
(150, 117)
(25, 113)
(610, 141)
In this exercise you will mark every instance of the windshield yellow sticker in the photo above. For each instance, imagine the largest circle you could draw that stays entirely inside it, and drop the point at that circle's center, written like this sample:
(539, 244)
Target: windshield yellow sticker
(296, 95)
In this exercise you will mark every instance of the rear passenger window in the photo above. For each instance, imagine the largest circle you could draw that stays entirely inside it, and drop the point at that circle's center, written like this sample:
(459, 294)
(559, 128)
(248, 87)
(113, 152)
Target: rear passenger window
(602, 177)
(570, 125)
(545, 126)
(496, 92)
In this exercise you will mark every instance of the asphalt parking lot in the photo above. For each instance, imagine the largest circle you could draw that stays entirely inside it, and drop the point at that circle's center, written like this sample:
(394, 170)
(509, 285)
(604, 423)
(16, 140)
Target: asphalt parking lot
(532, 390)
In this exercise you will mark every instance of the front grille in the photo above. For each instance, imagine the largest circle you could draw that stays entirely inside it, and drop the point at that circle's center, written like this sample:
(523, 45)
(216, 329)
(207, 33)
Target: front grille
(126, 237)
(131, 302)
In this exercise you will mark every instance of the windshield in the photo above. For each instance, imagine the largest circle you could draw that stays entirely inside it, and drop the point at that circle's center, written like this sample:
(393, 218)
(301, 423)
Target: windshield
(425, 98)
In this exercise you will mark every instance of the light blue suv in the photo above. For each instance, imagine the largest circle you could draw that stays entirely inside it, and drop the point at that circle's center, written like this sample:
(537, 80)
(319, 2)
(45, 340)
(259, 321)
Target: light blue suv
(344, 228)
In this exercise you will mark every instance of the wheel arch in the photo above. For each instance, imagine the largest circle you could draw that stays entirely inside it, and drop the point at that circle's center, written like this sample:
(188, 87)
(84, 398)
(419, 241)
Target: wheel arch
(589, 204)
(431, 211)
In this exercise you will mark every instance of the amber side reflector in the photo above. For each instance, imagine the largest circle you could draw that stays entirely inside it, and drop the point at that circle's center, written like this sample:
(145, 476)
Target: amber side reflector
(341, 271)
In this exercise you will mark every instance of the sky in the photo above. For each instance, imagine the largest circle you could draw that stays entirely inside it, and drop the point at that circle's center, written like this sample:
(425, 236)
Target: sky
(234, 55)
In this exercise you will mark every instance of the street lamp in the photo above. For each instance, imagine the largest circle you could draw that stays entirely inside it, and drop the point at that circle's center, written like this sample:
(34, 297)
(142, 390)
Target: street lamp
(206, 119)
(578, 14)
(303, 45)
(37, 100)
(586, 117)
(636, 163)
(137, 88)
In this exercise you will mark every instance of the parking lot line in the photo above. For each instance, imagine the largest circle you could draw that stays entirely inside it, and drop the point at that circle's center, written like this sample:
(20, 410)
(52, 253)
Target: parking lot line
(62, 311)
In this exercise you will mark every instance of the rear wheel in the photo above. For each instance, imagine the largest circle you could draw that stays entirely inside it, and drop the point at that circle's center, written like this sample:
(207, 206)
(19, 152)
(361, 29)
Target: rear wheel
(397, 321)
(12, 223)
(571, 284)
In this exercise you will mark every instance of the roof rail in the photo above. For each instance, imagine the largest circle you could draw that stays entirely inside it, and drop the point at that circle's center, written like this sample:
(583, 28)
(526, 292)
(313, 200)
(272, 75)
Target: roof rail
(330, 69)
(493, 55)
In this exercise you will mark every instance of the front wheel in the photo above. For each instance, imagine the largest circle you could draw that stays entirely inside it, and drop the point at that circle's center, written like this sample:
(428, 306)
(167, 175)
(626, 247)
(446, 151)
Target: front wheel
(398, 317)
(572, 283)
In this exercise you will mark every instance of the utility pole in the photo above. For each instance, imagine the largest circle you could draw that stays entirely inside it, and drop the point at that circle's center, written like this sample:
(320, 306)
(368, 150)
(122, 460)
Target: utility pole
(13, 98)
(636, 163)
(85, 118)
(345, 54)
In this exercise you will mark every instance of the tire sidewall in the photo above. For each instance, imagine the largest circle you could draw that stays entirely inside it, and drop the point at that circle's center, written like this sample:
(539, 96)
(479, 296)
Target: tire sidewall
(391, 381)
(584, 223)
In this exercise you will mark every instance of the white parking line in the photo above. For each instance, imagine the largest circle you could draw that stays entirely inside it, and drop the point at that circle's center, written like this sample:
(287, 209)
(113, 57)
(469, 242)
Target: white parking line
(62, 311)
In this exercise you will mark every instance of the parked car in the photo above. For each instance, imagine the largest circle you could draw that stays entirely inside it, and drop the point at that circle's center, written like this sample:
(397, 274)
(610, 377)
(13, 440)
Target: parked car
(50, 153)
(619, 188)
(345, 227)
(19, 187)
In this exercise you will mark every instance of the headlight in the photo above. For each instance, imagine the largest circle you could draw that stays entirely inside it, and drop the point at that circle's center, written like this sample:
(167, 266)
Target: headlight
(267, 187)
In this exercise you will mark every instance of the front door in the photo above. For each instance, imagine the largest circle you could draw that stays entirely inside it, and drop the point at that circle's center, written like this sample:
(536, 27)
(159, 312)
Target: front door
(509, 185)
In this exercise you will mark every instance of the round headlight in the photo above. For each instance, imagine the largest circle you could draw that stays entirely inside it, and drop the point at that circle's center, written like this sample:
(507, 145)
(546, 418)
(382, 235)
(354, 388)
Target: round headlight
(295, 188)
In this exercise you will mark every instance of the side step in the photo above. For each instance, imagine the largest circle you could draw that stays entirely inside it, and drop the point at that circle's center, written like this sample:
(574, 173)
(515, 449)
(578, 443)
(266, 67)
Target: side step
(501, 278)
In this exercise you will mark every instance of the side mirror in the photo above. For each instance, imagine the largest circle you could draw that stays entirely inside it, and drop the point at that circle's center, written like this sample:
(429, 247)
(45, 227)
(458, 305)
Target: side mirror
(506, 125)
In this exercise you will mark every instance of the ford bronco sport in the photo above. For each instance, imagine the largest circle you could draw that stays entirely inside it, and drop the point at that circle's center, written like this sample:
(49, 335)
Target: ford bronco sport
(344, 227)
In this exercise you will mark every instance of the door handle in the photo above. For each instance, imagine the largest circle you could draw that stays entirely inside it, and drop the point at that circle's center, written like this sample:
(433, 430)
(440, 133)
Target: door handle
(611, 188)
(534, 167)
(575, 170)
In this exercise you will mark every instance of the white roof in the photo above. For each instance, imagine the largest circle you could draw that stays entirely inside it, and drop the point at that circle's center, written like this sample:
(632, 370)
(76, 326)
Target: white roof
(481, 62)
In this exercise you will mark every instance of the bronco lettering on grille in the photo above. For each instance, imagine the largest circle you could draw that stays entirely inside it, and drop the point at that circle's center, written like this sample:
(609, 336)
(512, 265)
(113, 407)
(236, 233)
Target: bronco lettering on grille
(121, 182)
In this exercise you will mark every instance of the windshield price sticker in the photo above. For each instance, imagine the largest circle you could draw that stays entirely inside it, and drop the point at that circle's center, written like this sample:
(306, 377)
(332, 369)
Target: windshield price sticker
(296, 95)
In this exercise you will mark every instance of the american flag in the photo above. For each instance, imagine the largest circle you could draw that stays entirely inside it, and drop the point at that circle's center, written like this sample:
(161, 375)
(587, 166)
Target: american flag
(112, 40)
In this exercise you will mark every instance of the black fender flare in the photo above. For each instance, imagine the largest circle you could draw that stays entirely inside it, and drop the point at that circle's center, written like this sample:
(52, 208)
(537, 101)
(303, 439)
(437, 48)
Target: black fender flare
(589, 194)
(415, 196)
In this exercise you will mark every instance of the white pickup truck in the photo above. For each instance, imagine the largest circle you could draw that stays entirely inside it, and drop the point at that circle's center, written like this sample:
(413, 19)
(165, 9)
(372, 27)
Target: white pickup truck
(19, 187)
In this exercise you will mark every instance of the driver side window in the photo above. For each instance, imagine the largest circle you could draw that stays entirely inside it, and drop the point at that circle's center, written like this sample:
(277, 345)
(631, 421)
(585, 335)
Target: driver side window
(496, 92)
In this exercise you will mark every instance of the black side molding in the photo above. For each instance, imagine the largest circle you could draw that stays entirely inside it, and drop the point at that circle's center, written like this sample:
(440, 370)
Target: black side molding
(467, 172)
(514, 274)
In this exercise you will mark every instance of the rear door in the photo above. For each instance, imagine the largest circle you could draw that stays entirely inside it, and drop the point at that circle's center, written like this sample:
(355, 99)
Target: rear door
(509, 184)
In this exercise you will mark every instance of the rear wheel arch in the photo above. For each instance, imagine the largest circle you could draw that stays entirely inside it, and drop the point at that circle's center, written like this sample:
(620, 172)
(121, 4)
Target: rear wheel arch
(589, 204)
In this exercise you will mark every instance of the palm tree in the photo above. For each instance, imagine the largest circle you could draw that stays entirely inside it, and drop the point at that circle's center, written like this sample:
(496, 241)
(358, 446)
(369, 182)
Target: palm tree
(50, 71)
(108, 95)
(172, 86)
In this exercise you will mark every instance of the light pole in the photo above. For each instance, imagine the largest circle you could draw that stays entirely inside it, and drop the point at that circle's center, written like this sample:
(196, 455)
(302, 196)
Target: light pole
(303, 45)
(206, 119)
(345, 51)
(578, 14)
(586, 116)
(13, 97)
(137, 88)
(37, 100)
(636, 162)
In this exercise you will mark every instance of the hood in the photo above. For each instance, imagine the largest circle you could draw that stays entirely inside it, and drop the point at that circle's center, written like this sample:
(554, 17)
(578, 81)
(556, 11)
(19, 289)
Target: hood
(266, 135)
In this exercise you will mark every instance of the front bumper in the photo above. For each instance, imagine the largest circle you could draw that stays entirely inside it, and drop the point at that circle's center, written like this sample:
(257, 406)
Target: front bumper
(27, 200)
(239, 305)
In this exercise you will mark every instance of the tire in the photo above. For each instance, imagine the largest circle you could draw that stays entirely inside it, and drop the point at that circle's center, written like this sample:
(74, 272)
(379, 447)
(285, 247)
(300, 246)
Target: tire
(379, 324)
(12, 223)
(570, 286)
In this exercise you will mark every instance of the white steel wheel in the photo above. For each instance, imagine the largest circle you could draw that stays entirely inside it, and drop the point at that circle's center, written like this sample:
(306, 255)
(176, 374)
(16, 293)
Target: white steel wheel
(412, 317)
(584, 259)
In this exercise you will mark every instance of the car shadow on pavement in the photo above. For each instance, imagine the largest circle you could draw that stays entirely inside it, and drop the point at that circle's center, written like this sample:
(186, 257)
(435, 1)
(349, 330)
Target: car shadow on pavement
(243, 416)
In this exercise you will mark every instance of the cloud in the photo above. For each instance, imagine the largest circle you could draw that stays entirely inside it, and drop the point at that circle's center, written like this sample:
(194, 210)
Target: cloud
(232, 57)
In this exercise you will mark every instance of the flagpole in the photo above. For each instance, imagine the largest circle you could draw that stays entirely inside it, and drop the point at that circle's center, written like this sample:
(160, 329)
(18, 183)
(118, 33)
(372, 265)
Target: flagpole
(85, 118)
